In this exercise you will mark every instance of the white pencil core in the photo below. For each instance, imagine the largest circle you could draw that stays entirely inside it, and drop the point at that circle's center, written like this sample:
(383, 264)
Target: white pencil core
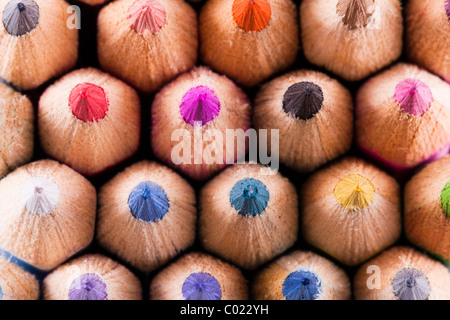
(40, 195)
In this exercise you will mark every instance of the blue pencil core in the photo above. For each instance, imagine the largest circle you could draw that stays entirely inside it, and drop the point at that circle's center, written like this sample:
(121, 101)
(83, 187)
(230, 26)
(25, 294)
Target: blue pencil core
(1, 293)
(148, 202)
(302, 285)
(249, 197)
(201, 286)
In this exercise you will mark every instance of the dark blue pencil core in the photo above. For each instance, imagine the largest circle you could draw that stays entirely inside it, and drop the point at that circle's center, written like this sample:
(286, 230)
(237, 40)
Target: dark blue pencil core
(201, 286)
(148, 202)
(302, 285)
(249, 197)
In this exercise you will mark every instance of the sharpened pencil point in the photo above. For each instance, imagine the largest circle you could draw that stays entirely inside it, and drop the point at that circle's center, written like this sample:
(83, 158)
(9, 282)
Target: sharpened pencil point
(20, 17)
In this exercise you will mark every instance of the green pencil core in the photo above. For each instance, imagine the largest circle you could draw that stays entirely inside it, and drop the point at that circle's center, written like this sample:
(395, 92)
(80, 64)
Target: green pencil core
(445, 199)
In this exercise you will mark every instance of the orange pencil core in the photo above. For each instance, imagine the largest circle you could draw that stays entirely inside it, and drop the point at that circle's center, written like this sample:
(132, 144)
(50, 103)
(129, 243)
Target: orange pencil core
(251, 15)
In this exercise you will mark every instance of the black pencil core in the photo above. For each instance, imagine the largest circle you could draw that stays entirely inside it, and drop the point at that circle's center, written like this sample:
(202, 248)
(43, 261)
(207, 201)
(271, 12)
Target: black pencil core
(303, 100)
(20, 17)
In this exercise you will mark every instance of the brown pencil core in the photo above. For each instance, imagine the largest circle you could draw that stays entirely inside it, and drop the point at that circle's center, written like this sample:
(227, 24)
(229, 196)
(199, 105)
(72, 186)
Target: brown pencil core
(303, 100)
(356, 13)
(20, 17)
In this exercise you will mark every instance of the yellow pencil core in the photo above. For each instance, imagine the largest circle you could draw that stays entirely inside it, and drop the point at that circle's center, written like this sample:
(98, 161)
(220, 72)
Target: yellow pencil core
(354, 192)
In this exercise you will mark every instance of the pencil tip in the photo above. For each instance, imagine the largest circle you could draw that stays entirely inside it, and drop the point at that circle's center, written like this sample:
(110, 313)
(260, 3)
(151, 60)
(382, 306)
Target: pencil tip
(201, 286)
(354, 192)
(413, 96)
(251, 15)
(249, 197)
(445, 199)
(146, 15)
(303, 100)
(148, 202)
(302, 285)
(355, 13)
(199, 105)
(411, 284)
(20, 17)
(40, 195)
(88, 286)
(88, 102)
(447, 9)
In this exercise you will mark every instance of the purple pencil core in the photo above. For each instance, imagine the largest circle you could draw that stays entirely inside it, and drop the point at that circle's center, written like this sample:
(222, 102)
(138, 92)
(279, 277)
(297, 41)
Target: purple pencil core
(447, 9)
(199, 105)
(201, 286)
(413, 96)
(88, 286)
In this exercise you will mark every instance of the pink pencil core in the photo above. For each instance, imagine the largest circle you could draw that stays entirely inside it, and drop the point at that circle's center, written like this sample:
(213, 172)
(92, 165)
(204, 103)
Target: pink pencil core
(146, 15)
(447, 9)
(413, 96)
(199, 104)
(88, 102)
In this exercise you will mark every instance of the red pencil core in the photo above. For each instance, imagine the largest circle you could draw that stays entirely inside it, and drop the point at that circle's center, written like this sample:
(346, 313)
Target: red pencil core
(88, 102)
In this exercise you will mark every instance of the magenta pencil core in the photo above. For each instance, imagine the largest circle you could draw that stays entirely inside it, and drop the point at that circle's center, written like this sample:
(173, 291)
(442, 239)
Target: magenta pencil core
(413, 96)
(199, 105)
(147, 15)
(88, 102)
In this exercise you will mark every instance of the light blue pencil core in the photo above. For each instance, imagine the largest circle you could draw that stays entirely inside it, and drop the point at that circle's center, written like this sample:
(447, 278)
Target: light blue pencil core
(249, 197)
